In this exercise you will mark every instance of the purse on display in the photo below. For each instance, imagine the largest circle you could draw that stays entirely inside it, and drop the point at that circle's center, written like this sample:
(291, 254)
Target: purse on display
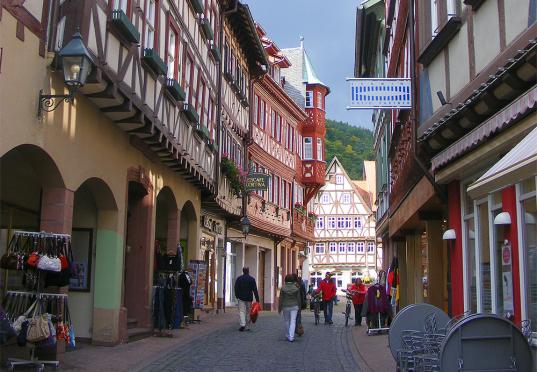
(50, 260)
(10, 259)
(38, 328)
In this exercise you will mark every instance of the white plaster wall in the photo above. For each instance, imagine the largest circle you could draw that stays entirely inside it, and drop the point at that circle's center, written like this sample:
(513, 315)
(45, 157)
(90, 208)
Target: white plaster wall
(516, 18)
(486, 34)
(459, 69)
(35, 7)
(437, 78)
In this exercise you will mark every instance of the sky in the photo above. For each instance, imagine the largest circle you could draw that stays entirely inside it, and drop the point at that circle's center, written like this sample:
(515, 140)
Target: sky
(328, 28)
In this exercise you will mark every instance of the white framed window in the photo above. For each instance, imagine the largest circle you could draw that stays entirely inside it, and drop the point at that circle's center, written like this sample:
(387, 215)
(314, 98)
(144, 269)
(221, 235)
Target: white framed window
(342, 247)
(346, 198)
(121, 5)
(60, 31)
(350, 247)
(319, 149)
(319, 224)
(331, 222)
(319, 248)
(434, 17)
(325, 198)
(308, 148)
(150, 24)
(339, 179)
(370, 247)
(173, 52)
(340, 221)
(333, 247)
(309, 99)
(360, 247)
(527, 210)
(357, 222)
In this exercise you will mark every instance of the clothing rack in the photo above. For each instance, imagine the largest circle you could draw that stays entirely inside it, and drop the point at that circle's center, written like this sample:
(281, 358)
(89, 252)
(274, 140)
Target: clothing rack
(40, 297)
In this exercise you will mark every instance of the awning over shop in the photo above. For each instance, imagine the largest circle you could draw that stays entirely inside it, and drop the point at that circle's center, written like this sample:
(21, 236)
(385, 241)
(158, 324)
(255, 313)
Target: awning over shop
(516, 165)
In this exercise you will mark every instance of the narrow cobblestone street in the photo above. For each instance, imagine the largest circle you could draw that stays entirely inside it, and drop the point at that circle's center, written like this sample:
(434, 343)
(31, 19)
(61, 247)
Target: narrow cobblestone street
(264, 348)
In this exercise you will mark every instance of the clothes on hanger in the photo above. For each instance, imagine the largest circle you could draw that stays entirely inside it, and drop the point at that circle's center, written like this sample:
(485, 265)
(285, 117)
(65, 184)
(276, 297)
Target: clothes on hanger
(185, 281)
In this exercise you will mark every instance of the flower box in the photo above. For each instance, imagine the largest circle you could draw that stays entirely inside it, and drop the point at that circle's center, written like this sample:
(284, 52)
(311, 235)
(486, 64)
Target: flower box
(206, 28)
(203, 131)
(175, 89)
(190, 113)
(154, 62)
(215, 52)
(124, 26)
(198, 6)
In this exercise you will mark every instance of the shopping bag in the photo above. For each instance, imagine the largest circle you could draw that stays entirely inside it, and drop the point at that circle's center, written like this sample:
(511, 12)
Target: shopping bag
(254, 311)
(300, 329)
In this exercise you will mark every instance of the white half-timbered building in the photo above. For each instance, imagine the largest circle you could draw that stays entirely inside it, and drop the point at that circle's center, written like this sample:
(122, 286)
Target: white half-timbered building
(345, 229)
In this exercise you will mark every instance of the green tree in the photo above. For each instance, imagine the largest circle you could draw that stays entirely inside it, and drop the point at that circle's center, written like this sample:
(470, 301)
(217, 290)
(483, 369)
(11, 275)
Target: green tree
(352, 145)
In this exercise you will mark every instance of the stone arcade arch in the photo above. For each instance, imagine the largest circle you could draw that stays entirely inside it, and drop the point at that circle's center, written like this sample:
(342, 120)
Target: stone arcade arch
(97, 248)
(189, 232)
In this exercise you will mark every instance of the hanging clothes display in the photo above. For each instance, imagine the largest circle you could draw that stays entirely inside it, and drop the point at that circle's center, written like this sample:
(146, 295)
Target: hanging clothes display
(185, 281)
(375, 307)
(38, 319)
(167, 302)
(167, 262)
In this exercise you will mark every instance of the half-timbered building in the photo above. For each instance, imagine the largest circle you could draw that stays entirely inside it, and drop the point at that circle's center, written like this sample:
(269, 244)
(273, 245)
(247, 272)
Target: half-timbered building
(345, 241)
(125, 163)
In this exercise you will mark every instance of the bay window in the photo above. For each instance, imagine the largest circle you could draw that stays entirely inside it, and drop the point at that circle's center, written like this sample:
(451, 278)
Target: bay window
(320, 103)
(309, 99)
(319, 149)
(308, 148)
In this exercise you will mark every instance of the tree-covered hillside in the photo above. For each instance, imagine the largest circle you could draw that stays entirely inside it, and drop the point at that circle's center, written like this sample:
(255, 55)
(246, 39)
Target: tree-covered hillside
(352, 145)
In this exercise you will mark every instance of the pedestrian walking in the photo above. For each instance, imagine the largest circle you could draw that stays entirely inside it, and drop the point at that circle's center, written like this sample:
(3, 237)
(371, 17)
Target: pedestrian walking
(245, 290)
(303, 302)
(328, 289)
(289, 303)
(358, 292)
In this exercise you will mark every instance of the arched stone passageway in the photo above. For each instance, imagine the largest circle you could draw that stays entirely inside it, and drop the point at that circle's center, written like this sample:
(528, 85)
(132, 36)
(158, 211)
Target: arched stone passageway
(97, 251)
(167, 221)
(189, 232)
(33, 198)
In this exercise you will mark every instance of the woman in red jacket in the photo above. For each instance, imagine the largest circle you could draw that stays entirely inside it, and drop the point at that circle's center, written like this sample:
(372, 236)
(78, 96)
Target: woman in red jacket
(358, 292)
(328, 288)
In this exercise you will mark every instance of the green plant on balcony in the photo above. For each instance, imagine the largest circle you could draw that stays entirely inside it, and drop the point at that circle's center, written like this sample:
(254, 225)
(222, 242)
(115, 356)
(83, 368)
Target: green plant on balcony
(154, 62)
(234, 175)
(300, 208)
(206, 28)
(190, 113)
(312, 216)
(124, 26)
(175, 89)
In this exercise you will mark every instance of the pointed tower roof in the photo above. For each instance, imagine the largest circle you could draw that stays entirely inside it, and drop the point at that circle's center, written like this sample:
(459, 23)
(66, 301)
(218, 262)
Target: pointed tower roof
(308, 73)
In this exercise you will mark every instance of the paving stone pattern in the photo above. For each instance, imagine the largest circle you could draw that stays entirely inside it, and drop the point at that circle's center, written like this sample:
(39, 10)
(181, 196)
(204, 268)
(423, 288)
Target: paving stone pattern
(264, 348)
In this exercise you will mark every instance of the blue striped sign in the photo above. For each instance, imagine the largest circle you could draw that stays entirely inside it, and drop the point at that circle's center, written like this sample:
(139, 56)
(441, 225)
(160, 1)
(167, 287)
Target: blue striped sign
(374, 93)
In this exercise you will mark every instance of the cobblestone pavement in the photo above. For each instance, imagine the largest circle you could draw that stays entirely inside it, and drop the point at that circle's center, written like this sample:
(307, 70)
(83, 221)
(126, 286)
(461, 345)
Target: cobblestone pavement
(264, 348)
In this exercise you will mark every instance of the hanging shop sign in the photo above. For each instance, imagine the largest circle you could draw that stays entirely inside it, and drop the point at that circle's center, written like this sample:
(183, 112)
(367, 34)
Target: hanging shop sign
(211, 224)
(257, 182)
(388, 93)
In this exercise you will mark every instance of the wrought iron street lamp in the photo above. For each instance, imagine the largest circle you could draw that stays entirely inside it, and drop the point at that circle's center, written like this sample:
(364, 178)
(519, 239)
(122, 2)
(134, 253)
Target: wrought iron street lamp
(245, 226)
(76, 63)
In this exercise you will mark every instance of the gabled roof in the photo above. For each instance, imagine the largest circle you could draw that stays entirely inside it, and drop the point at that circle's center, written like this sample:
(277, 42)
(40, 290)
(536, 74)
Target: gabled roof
(242, 23)
(364, 196)
(272, 50)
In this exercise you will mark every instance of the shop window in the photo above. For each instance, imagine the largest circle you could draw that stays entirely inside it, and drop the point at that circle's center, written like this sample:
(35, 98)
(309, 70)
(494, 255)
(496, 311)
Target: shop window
(484, 256)
(528, 204)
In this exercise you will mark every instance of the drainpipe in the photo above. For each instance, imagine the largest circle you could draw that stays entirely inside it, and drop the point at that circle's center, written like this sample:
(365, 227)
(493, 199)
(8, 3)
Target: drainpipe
(219, 105)
(413, 119)
(225, 267)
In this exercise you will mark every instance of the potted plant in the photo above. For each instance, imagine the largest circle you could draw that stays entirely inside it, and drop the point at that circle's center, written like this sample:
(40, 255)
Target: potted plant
(234, 175)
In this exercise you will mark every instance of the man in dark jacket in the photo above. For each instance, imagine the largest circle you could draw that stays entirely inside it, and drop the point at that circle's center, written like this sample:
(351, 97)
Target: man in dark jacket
(244, 288)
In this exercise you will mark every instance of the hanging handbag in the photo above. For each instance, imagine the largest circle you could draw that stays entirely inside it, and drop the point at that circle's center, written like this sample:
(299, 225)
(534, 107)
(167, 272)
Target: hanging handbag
(48, 261)
(38, 328)
(30, 279)
(71, 331)
(50, 341)
(10, 259)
